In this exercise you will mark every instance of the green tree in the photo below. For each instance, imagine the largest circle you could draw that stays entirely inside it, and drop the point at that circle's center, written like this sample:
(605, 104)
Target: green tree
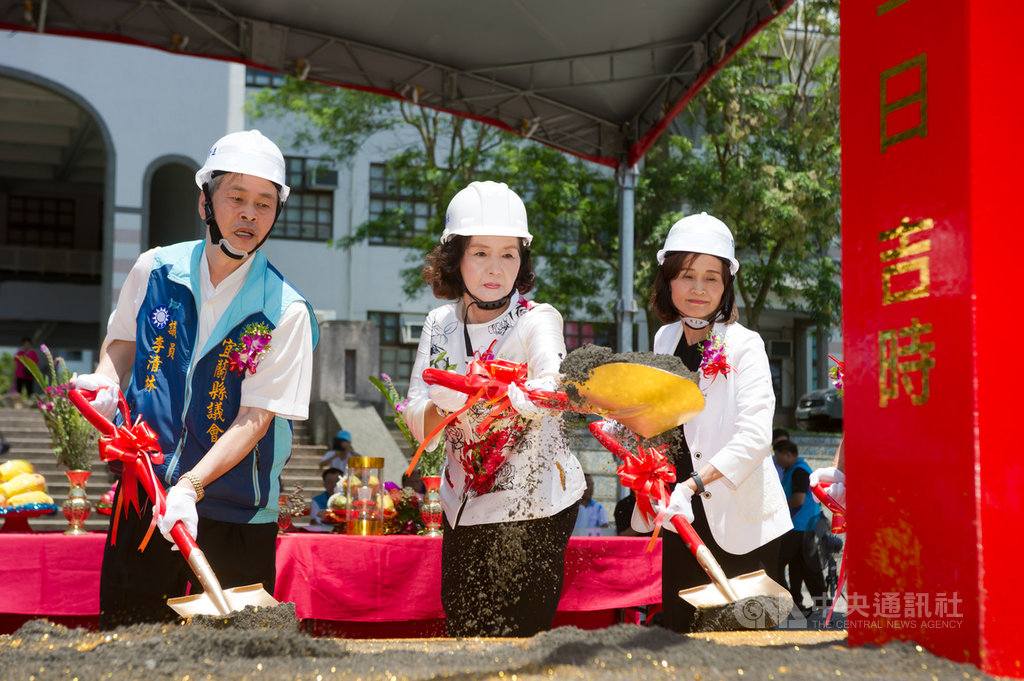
(768, 161)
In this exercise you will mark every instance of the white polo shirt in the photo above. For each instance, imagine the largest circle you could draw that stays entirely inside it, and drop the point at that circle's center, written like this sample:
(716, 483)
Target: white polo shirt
(282, 383)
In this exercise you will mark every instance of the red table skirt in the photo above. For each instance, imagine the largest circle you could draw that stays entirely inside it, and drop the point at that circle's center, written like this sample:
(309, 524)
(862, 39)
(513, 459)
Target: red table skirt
(356, 586)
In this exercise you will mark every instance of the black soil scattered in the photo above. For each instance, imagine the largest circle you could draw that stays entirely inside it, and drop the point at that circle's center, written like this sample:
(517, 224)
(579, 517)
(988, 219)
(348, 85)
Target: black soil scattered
(755, 612)
(280, 616)
(41, 651)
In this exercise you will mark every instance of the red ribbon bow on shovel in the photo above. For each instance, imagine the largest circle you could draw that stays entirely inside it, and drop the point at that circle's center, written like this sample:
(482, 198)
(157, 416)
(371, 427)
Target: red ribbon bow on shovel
(136, 446)
(838, 527)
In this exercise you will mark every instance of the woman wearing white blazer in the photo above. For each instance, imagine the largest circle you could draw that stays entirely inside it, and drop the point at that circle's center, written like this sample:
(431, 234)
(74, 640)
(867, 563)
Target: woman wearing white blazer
(726, 484)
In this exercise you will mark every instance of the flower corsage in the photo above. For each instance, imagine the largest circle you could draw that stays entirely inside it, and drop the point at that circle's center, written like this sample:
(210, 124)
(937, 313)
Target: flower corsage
(712, 361)
(836, 374)
(250, 350)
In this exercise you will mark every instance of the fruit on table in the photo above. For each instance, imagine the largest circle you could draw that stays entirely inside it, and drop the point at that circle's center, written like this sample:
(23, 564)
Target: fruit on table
(23, 482)
(10, 469)
(337, 502)
(387, 503)
(33, 497)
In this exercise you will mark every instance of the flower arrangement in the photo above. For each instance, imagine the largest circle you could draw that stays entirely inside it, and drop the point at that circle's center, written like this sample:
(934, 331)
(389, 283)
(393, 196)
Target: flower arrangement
(836, 374)
(74, 439)
(405, 519)
(430, 461)
(712, 362)
(248, 351)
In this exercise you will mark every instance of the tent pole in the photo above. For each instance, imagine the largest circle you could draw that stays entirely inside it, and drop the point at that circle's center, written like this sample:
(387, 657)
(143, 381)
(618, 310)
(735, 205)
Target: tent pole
(625, 308)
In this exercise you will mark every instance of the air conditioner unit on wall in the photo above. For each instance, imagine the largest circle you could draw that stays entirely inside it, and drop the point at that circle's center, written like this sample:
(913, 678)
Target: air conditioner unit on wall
(780, 349)
(321, 177)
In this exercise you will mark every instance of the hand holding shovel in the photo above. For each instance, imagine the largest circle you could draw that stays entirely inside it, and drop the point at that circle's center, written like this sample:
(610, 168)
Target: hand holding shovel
(137, 448)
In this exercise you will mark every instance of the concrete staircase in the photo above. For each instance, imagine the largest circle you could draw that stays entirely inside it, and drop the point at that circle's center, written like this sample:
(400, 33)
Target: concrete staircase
(26, 432)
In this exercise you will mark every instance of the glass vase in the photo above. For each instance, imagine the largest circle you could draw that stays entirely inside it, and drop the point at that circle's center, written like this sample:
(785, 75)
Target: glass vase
(76, 506)
(364, 490)
(430, 509)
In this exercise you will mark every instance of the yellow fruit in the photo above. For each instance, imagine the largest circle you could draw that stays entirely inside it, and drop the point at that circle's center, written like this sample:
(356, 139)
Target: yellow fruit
(337, 502)
(373, 482)
(14, 467)
(24, 482)
(353, 481)
(33, 497)
(388, 503)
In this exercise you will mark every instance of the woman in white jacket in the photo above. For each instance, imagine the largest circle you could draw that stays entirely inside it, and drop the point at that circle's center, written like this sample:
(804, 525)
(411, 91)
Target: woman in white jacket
(510, 494)
(726, 483)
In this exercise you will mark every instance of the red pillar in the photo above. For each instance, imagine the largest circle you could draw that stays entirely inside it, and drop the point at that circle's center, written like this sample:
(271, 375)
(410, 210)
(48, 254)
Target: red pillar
(933, 182)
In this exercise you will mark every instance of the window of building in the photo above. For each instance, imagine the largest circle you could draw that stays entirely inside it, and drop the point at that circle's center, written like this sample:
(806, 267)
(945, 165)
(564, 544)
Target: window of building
(594, 333)
(398, 343)
(261, 78)
(406, 212)
(41, 221)
(309, 212)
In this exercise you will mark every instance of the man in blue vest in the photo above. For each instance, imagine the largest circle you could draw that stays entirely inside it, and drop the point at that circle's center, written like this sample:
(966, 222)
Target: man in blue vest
(216, 347)
(795, 550)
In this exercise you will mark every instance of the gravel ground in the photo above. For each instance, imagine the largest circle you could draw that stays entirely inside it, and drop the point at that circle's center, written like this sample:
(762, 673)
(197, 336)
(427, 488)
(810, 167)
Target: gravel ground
(41, 651)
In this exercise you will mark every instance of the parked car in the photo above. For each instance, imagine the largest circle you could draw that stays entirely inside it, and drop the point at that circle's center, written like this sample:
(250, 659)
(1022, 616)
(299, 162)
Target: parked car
(820, 409)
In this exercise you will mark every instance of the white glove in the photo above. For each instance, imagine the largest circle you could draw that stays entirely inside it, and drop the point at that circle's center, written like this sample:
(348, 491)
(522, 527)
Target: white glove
(446, 398)
(107, 392)
(680, 503)
(181, 505)
(831, 474)
(526, 407)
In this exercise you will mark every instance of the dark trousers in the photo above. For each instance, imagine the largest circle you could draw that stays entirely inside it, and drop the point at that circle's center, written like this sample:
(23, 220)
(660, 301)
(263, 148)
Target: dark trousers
(504, 579)
(804, 567)
(680, 570)
(135, 586)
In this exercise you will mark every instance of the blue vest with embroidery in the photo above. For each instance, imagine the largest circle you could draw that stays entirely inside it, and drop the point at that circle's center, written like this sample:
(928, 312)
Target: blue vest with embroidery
(189, 396)
(808, 513)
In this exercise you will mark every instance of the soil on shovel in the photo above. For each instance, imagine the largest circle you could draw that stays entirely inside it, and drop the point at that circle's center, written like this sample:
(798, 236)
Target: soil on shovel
(752, 612)
(281, 616)
(41, 651)
(579, 364)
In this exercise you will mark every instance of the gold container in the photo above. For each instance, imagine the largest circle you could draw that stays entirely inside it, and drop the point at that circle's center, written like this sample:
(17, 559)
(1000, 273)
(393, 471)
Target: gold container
(364, 489)
(77, 506)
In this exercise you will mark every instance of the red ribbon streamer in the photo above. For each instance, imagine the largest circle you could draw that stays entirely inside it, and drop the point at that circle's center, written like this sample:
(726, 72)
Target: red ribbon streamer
(136, 448)
(713, 369)
(838, 527)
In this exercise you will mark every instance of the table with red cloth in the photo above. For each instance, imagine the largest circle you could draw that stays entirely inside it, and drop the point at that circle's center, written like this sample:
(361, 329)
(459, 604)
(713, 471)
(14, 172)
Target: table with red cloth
(341, 585)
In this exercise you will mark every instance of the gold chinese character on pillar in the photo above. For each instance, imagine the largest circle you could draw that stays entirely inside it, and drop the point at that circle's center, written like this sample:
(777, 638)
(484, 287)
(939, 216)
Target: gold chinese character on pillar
(909, 113)
(904, 361)
(909, 256)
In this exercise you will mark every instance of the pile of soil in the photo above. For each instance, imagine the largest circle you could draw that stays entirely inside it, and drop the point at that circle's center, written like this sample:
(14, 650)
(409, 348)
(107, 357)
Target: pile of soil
(42, 651)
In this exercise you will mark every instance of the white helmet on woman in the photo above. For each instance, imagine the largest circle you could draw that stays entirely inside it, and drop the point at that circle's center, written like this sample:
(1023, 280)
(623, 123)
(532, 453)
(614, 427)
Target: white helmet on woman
(248, 153)
(701, 234)
(486, 209)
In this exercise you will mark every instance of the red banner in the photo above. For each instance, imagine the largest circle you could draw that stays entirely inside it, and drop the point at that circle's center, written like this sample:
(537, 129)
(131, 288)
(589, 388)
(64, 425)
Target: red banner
(930, 147)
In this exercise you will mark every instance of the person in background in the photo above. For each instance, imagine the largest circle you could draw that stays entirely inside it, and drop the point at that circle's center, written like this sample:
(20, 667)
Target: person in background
(217, 350)
(23, 381)
(726, 484)
(341, 449)
(510, 493)
(804, 512)
(318, 506)
(623, 513)
(591, 517)
(778, 435)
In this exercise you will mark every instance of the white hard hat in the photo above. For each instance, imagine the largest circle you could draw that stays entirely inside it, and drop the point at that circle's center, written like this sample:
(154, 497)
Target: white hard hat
(701, 234)
(486, 209)
(248, 153)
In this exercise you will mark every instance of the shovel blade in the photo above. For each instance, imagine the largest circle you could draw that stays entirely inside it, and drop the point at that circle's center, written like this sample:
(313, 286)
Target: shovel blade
(647, 400)
(237, 597)
(751, 585)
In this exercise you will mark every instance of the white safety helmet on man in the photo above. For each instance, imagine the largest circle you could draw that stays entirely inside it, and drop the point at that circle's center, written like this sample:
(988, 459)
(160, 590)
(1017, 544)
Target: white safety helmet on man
(701, 234)
(248, 153)
(486, 209)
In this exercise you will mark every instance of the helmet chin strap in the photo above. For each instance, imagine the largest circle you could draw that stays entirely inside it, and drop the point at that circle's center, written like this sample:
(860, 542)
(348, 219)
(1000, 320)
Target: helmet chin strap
(483, 305)
(218, 238)
(695, 322)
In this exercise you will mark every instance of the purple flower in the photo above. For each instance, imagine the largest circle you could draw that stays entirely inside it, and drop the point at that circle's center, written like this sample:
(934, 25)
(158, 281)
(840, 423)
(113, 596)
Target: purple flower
(400, 407)
(46, 350)
(386, 377)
